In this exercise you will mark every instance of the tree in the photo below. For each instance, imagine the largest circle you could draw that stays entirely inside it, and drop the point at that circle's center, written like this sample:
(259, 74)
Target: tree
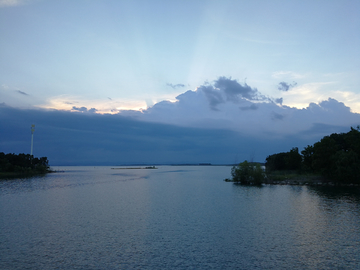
(293, 159)
(284, 161)
(336, 157)
(307, 158)
(346, 167)
(23, 163)
(248, 173)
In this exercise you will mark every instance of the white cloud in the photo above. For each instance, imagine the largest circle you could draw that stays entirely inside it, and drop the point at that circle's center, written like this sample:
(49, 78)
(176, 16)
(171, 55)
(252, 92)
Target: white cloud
(7, 3)
(5, 87)
(301, 96)
(288, 75)
(106, 105)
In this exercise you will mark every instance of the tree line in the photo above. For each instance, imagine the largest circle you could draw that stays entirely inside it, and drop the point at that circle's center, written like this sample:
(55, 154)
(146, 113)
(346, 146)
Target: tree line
(23, 164)
(335, 157)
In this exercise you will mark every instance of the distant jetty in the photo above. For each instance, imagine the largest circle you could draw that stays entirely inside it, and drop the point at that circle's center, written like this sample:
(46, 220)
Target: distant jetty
(135, 168)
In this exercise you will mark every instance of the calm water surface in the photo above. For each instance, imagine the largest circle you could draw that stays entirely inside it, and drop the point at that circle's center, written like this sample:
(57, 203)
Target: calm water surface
(173, 218)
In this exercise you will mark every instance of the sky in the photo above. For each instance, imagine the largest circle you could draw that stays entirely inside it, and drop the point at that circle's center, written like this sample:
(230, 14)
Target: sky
(200, 81)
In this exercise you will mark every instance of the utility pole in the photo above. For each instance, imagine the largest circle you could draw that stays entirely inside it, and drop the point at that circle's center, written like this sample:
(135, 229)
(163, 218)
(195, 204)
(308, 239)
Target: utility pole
(32, 139)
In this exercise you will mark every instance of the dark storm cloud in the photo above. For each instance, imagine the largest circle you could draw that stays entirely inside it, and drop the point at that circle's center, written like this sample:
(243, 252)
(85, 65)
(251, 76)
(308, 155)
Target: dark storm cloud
(279, 101)
(214, 96)
(70, 138)
(213, 124)
(73, 138)
(233, 90)
(318, 129)
(228, 90)
(283, 86)
(175, 86)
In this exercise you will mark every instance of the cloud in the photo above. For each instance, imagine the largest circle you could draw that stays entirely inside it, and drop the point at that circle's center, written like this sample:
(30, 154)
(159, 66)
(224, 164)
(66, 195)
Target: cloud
(13, 89)
(251, 107)
(225, 90)
(149, 102)
(288, 75)
(12, 3)
(69, 138)
(277, 116)
(185, 131)
(283, 86)
(22, 93)
(233, 90)
(306, 93)
(279, 100)
(175, 86)
(83, 109)
(226, 104)
(214, 96)
(214, 123)
(105, 105)
(5, 87)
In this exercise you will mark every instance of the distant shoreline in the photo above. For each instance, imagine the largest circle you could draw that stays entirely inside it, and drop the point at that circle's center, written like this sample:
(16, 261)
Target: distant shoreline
(136, 168)
(297, 180)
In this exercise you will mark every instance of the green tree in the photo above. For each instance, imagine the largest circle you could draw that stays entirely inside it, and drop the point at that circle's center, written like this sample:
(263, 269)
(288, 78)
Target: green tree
(23, 163)
(346, 168)
(307, 158)
(293, 159)
(248, 173)
(284, 161)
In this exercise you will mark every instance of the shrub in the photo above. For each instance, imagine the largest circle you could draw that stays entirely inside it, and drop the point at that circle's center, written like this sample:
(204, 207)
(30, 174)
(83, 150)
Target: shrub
(248, 173)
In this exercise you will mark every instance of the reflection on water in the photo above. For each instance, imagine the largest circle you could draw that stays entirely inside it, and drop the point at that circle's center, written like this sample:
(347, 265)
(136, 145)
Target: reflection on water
(173, 217)
(351, 194)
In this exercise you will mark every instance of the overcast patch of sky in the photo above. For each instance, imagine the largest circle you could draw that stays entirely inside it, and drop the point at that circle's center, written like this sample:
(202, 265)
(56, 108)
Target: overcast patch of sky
(86, 138)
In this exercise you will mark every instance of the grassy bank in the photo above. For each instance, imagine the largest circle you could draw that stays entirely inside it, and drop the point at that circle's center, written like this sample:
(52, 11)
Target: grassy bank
(294, 178)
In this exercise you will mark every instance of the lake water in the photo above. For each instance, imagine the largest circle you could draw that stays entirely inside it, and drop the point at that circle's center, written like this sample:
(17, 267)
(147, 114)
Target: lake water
(173, 217)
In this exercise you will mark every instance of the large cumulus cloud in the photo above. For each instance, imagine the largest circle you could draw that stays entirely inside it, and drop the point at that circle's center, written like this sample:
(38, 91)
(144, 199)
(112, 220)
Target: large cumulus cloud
(227, 104)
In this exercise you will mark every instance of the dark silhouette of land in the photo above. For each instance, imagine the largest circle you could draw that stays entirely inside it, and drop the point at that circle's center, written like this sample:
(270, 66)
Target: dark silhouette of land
(22, 165)
(334, 160)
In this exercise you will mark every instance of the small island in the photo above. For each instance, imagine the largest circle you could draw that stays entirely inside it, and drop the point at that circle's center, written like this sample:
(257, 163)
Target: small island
(22, 165)
(334, 160)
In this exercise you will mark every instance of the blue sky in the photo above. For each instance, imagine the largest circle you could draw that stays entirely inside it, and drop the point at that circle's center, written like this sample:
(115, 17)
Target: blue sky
(264, 69)
(88, 51)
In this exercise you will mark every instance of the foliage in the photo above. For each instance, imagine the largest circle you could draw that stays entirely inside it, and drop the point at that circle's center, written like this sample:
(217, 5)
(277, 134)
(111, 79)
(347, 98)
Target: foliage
(248, 173)
(284, 161)
(335, 157)
(23, 163)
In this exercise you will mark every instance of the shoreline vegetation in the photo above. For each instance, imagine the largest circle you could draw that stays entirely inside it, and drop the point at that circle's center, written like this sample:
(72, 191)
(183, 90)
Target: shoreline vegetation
(333, 161)
(22, 166)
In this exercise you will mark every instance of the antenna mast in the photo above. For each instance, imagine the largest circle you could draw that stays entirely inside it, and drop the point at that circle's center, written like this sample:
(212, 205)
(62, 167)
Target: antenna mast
(32, 139)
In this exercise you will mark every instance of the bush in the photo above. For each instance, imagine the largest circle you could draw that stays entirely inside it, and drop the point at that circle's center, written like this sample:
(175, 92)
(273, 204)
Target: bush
(248, 173)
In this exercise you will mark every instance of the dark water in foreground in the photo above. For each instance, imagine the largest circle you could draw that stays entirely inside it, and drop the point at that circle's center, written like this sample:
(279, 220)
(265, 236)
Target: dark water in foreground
(173, 218)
